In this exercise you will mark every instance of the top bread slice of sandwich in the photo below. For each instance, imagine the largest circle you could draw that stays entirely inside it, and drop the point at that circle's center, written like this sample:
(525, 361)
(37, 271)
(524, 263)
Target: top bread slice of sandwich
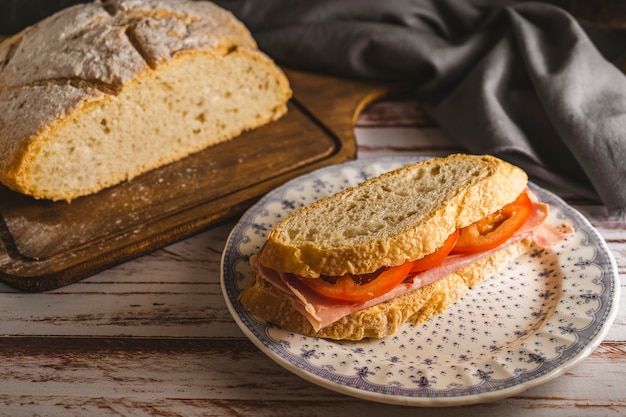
(101, 92)
(397, 217)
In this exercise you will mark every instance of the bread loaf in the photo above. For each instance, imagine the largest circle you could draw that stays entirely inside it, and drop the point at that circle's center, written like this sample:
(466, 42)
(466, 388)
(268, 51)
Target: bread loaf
(101, 92)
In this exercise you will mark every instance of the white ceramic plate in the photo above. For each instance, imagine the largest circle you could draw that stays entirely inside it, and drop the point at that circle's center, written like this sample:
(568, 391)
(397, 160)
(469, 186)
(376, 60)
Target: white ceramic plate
(531, 323)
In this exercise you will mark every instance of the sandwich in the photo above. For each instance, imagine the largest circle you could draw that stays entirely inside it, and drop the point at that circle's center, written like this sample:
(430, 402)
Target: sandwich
(397, 248)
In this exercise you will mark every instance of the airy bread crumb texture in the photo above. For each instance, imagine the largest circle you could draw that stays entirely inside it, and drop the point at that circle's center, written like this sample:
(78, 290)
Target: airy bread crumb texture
(100, 93)
(399, 216)
(158, 119)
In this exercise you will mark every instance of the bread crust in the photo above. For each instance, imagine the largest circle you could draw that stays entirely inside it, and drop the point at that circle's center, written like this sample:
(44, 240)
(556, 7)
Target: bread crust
(413, 209)
(263, 301)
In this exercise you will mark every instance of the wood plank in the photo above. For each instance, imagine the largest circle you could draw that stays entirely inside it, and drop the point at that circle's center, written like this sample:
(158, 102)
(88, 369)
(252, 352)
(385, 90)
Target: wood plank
(395, 112)
(96, 376)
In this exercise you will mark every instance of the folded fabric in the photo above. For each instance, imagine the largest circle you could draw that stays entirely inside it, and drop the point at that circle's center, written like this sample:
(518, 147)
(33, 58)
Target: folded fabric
(523, 81)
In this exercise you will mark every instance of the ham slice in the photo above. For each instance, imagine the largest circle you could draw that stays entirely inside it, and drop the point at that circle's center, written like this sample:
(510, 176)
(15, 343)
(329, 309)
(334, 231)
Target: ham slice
(321, 311)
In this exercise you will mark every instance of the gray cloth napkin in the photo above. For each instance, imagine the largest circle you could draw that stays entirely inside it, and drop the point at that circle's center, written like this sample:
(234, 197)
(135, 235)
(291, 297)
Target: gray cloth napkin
(523, 81)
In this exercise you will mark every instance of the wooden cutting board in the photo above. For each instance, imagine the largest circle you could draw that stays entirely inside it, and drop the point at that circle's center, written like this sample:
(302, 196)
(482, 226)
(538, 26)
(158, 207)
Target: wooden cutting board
(46, 245)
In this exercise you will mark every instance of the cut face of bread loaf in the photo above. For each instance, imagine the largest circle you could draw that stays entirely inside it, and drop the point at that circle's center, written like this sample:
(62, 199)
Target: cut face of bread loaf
(102, 92)
(397, 217)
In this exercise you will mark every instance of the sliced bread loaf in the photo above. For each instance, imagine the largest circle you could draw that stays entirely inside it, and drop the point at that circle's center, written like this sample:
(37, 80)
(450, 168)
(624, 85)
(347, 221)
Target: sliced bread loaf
(101, 92)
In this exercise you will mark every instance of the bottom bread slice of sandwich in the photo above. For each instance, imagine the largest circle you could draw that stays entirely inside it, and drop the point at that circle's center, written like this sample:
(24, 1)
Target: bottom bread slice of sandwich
(399, 247)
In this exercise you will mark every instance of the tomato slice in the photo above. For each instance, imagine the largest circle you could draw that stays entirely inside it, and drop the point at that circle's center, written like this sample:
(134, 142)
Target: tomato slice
(437, 256)
(496, 228)
(346, 289)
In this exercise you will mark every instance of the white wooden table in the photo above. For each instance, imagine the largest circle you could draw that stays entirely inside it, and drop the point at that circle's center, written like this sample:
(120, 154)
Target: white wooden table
(154, 337)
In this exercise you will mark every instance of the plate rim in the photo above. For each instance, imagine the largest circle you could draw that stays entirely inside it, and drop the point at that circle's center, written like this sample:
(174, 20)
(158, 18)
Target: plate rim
(427, 401)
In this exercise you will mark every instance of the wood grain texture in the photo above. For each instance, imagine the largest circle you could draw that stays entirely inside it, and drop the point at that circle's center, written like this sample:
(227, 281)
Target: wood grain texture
(230, 378)
(153, 336)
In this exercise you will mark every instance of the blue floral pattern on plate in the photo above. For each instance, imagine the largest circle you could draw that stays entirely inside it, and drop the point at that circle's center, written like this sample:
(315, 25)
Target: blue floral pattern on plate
(532, 322)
